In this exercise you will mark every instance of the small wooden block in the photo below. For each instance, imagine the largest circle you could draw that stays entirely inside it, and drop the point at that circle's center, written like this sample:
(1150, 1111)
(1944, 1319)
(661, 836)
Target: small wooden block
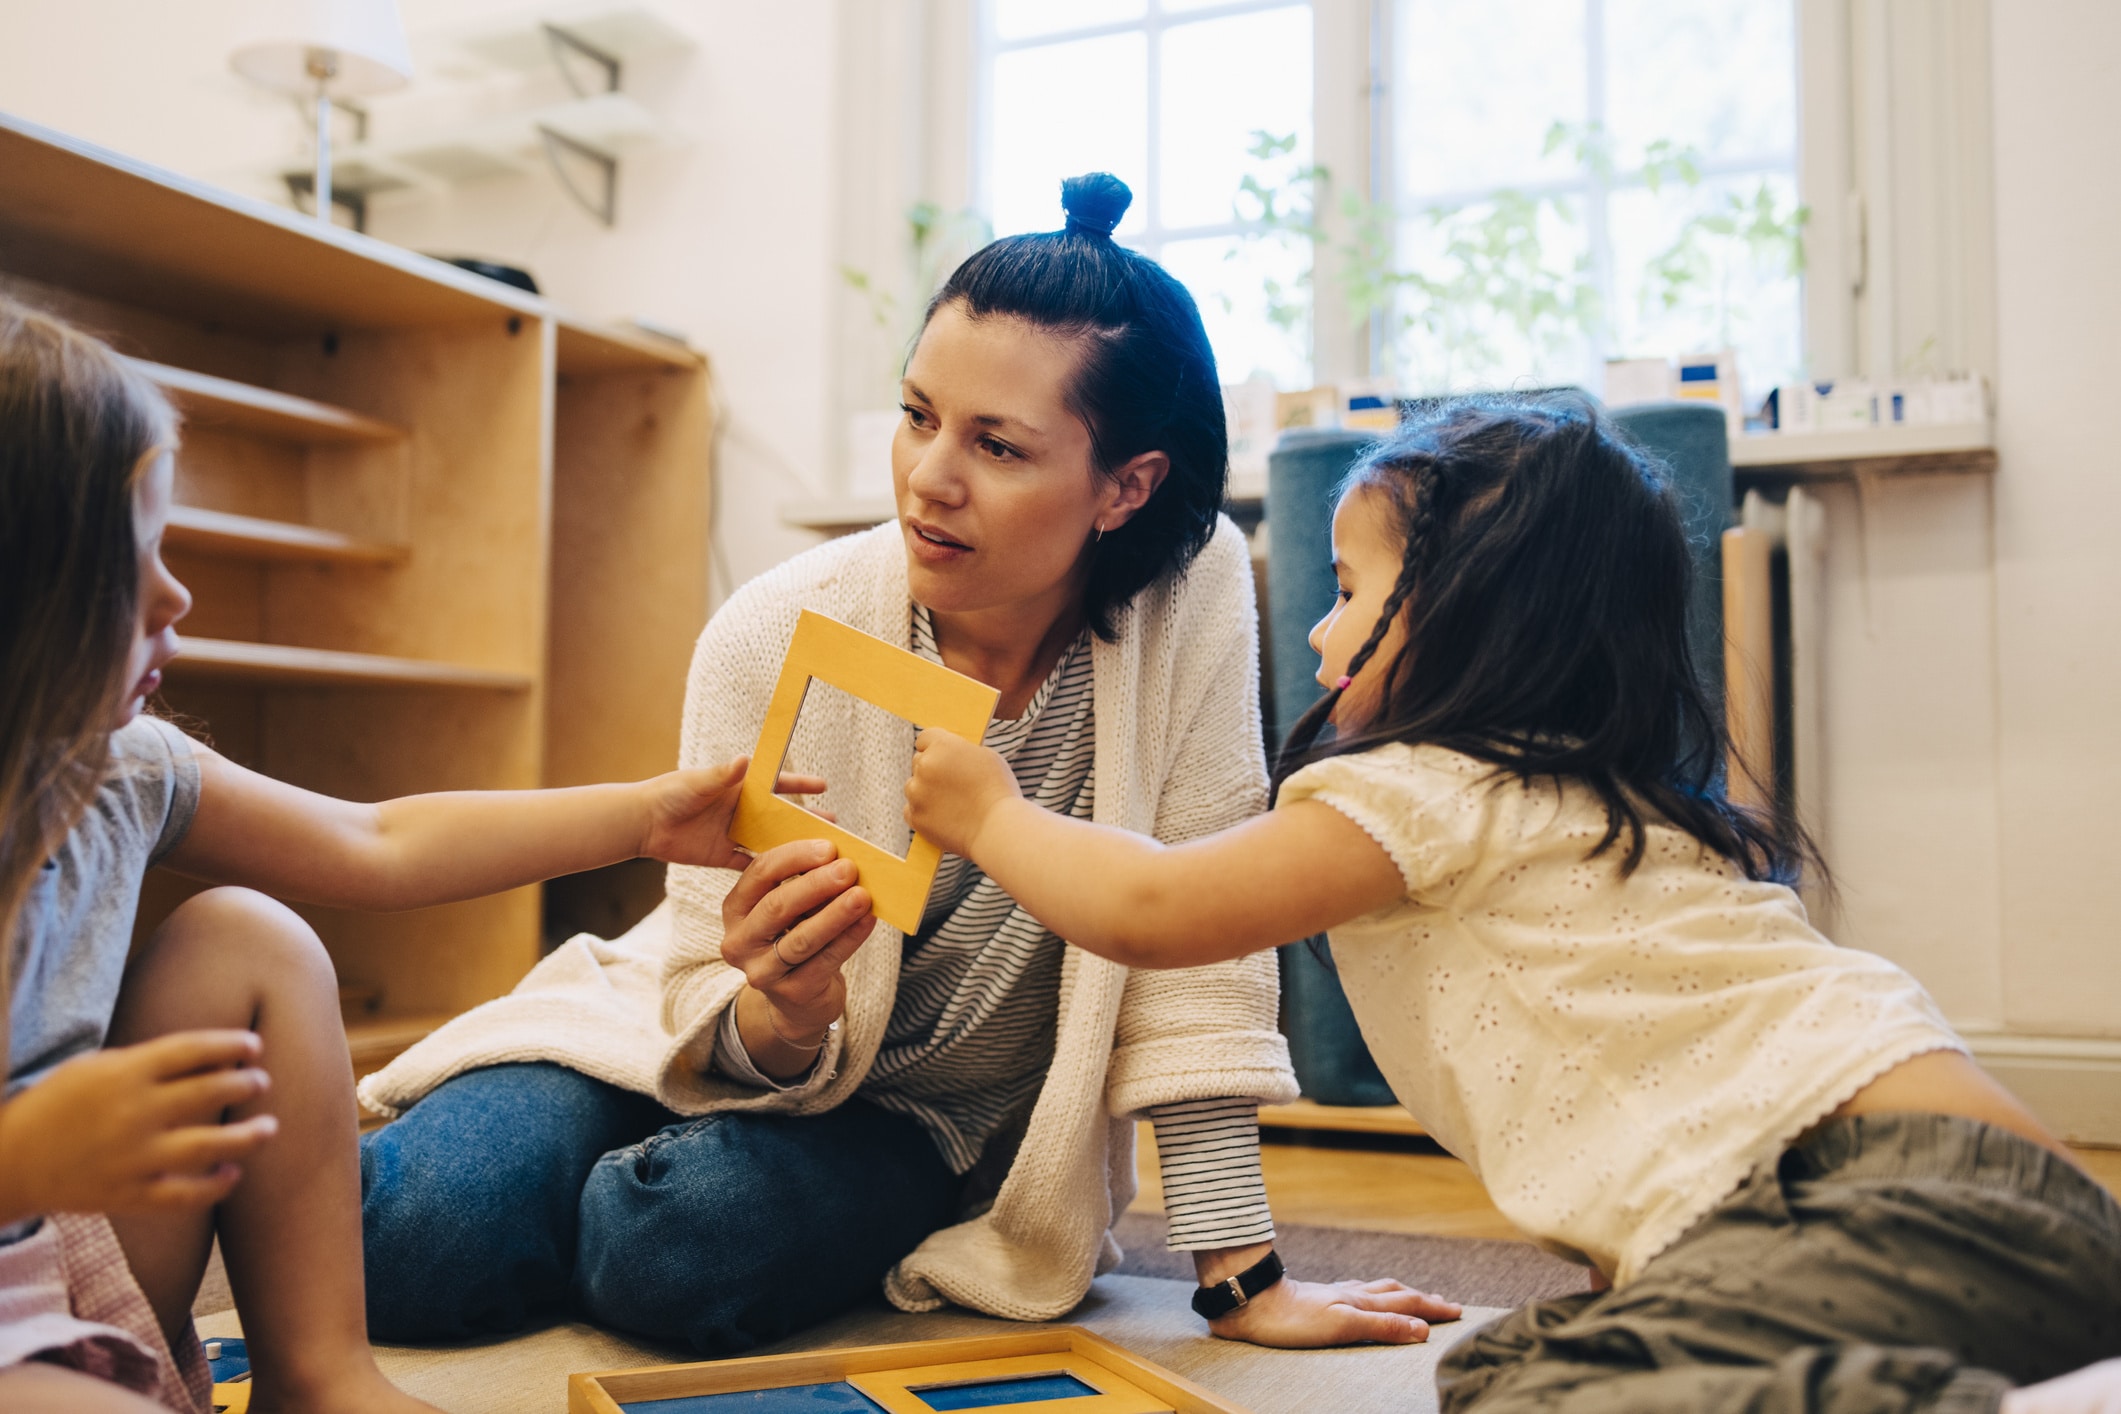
(883, 675)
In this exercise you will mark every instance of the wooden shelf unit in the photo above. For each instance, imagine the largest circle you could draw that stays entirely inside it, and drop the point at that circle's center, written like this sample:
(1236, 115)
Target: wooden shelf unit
(441, 534)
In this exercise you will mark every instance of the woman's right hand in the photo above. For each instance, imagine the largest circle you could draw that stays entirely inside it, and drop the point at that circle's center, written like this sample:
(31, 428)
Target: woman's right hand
(789, 924)
(134, 1128)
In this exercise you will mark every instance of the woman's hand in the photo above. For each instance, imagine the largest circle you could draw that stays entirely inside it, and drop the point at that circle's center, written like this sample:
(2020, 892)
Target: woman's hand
(1300, 1315)
(688, 813)
(790, 923)
(134, 1128)
(954, 788)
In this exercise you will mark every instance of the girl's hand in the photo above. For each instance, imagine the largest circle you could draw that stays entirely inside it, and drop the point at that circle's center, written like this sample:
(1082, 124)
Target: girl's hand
(133, 1128)
(689, 812)
(1297, 1315)
(789, 924)
(954, 787)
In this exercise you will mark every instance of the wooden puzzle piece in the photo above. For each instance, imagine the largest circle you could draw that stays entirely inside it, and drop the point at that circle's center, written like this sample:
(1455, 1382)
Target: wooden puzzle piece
(885, 676)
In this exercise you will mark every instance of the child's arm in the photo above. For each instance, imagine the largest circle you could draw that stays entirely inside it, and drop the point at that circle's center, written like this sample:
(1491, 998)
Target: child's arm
(427, 849)
(133, 1128)
(1285, 875)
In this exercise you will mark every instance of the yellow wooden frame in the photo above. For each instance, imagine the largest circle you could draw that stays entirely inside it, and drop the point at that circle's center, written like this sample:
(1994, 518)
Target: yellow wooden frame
(1117, 1372)
(883, 675)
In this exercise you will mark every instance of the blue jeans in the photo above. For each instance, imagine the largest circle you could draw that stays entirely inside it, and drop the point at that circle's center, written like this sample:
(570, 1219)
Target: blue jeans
(521, 1191)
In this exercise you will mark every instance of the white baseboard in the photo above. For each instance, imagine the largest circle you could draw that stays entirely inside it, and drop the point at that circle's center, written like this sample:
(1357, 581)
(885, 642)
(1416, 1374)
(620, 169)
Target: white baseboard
(2072, 1082)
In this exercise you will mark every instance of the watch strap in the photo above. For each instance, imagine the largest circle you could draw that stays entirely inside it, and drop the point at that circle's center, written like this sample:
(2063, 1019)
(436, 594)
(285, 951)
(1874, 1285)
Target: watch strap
(1231, 1293)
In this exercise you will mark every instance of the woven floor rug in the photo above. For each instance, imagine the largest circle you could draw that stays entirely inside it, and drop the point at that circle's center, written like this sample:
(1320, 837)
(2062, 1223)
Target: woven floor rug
(1142, 1306)
(1475, 1271)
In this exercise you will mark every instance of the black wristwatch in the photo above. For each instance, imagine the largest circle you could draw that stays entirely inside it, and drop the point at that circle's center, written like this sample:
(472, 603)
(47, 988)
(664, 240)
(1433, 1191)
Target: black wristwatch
(1232, 1292)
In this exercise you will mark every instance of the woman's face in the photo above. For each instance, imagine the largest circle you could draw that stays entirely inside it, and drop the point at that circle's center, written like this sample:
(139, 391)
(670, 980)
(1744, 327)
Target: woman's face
(1366, 561)
(998, 496)
(163, 600)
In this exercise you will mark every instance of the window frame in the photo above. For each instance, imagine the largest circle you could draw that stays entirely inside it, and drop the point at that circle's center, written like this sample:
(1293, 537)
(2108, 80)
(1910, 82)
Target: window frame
(1154, 23)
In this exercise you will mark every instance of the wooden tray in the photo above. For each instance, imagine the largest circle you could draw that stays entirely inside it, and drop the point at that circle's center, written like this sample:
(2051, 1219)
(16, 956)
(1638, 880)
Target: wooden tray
(1027, 1374)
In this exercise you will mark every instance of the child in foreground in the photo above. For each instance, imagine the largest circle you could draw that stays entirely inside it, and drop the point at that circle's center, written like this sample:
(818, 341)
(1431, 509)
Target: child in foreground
(204, 1088)
(1585, 971)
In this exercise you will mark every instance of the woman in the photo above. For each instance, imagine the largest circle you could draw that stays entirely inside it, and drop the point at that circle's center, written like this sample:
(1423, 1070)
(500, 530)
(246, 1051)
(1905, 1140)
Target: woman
(827, 1106)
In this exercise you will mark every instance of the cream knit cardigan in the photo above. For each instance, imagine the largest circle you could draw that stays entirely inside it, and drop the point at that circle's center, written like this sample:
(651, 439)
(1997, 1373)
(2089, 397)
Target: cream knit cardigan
(1178, 756)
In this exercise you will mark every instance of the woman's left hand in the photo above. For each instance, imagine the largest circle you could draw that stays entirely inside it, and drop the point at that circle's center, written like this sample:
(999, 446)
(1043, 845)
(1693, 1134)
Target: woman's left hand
(1299, 1315)
(689, 813)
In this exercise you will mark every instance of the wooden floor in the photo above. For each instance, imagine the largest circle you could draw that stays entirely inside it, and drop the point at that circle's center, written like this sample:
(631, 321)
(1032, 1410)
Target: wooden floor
(1385, 1191)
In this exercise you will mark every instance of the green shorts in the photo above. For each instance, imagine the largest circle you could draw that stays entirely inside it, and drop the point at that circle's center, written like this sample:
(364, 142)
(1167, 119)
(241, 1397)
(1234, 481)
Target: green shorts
(1888, 1262)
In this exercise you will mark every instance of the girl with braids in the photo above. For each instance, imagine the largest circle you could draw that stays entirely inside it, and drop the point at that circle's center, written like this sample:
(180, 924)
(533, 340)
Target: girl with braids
(1587, 974)
(195, 1086)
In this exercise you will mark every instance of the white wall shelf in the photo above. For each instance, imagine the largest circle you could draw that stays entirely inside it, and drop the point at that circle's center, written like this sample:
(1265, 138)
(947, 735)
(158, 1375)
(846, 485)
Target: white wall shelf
(1775, 449)
(844, 513)
(839, 512)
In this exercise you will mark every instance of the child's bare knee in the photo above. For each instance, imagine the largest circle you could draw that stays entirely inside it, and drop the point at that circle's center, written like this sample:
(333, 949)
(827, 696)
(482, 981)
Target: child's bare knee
(246, 924)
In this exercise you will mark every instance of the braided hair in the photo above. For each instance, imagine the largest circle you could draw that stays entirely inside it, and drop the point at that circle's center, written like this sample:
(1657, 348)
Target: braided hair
(1542, 593)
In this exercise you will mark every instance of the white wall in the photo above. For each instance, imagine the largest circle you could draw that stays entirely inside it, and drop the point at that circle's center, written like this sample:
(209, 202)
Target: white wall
(728, 237)
(2058, 511)
(1973, 673)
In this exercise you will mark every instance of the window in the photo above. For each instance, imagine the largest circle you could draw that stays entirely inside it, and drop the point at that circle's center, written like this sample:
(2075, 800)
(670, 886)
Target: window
(1574, 180)
(1167, 95)
(1554, 182)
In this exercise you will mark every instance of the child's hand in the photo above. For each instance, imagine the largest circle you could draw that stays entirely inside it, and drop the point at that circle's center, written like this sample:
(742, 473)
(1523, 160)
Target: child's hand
(954, 787)
(133, 1128)
(1303, 1315)
(689, 813)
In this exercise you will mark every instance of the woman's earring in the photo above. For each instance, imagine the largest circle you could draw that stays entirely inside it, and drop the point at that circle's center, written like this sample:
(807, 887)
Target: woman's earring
(1100, 533)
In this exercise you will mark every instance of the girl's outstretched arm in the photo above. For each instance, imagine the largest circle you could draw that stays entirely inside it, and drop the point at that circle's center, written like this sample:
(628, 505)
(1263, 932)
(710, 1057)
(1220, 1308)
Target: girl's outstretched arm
(1285, 875)
(427, 849)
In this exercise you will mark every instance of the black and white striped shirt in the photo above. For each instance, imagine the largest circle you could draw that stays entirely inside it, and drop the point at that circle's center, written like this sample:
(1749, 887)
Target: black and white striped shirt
(972, 1028)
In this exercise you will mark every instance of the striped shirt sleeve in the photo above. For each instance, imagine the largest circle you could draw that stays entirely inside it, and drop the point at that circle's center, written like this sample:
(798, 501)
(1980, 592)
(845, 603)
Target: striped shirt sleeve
(1214, 1193)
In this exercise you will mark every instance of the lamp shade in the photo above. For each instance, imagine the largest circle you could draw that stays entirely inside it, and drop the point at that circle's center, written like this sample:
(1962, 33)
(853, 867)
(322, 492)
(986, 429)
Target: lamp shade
(365, 38)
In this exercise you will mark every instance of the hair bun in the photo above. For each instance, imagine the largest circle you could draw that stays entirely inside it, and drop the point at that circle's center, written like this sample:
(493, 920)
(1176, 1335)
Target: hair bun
(1094, 202)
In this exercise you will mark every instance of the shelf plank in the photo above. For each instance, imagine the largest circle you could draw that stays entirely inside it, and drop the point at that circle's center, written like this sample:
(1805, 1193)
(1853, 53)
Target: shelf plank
(269, 664)
(1777, 451)
(1341, 1119)
(223, 402)
(375, 1041)
(839, 512)
(251, 538)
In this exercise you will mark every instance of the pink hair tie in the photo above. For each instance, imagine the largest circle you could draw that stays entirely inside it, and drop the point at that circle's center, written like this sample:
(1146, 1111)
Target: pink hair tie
(1342, 685)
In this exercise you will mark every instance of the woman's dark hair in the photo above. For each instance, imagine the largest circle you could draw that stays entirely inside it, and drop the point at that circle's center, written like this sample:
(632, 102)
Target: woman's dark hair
(78, 427)
(1145, 382)
(1543, 588)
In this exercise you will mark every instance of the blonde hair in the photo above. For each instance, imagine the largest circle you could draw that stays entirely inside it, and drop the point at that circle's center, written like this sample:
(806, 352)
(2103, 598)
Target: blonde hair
(78, 429)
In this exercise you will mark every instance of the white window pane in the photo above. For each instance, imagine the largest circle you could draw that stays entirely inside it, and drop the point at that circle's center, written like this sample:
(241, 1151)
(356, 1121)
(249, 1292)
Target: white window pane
(1061, 110)
(1223, 80)
(1021, 19)
(1718, 76)
(1477, 87)
(1709, 267)
(1254, 298)
(1501, 297)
